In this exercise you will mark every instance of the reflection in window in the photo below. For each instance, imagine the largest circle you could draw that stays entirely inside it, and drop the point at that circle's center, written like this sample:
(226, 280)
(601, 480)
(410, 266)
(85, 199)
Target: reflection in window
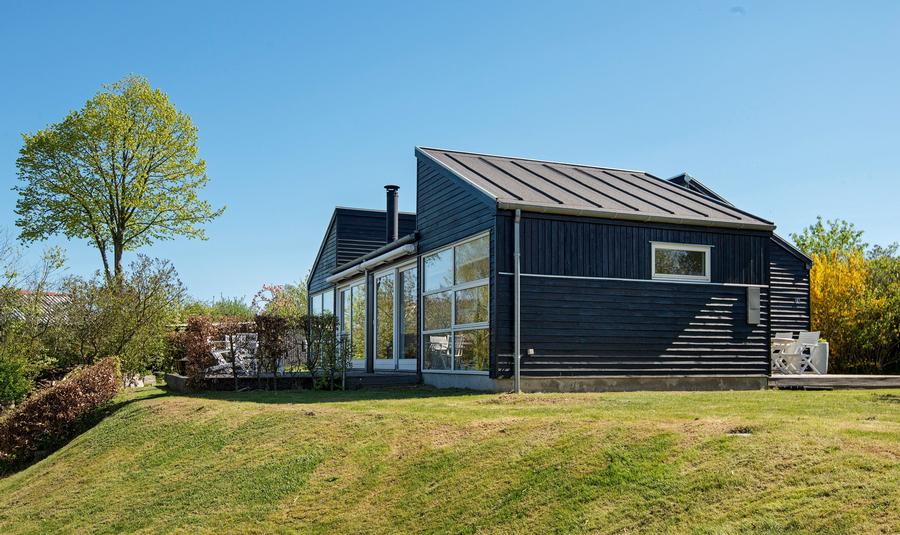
(680, 261)
(328, 302)
(358, 321)
(472, 349)
(438, 270)
(437, 352)
(408, 311)
(384, 316)
(437, 311)
(472, 305)
(456, 301)
(472, 260)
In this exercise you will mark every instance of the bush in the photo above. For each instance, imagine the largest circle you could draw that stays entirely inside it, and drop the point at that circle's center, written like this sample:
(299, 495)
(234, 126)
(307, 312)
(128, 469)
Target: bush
(52, 415)
(197, 346)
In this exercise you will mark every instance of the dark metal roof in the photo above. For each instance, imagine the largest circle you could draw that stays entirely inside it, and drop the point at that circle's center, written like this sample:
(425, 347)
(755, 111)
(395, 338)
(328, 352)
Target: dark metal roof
(687, 181)
(545, 186)
(692, 183)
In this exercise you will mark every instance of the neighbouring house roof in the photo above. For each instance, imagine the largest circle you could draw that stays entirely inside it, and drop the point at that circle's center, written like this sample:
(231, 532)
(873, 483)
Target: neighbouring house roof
(546, 186)
(687, 181)
(47, 301)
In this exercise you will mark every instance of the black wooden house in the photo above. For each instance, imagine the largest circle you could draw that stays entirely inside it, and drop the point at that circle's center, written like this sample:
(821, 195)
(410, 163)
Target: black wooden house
(599, 278)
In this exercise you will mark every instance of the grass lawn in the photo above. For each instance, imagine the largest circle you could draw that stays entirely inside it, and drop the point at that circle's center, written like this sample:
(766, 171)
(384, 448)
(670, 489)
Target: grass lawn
(450, 462)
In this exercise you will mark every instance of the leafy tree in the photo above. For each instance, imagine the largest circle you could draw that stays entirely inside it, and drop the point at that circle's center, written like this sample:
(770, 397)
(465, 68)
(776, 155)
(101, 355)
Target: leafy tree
(289, 300)
(834, 235)
(217, 309)
(836, 287)
(26, 349)
(128, 319)
(121, 172)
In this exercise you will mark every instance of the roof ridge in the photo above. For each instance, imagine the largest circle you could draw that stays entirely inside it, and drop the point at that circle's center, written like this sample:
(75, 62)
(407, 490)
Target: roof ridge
(593, 166)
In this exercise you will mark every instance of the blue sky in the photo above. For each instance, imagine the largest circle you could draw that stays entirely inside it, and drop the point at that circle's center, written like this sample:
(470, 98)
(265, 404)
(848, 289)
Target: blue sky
(789, 109)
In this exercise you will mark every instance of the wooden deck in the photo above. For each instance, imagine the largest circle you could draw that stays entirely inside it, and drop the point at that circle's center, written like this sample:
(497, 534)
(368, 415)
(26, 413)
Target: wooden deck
(833, 381)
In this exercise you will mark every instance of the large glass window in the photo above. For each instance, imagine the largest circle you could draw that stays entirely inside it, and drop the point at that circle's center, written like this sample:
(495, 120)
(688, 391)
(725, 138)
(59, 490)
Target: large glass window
(322, 303)
(352, 319)
(439, 270)
(679, 261)
(408, 312)
(358, 321)
(384, 316)
(456, 304)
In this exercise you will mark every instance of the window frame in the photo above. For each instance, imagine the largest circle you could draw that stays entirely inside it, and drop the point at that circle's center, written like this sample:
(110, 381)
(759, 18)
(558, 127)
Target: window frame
(339, 290)
(452, 289)
(672, 246)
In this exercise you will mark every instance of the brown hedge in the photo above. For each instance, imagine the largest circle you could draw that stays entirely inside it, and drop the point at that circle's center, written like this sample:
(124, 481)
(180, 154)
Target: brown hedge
(53, 414)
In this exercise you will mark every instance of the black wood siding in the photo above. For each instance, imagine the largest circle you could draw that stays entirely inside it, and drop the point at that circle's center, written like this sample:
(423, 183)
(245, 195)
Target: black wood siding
(611, 327)
(449, 209)
(600, 326)
(352, 233)
(361, 232)
(326, 261)
(592, 247)
(789, 286)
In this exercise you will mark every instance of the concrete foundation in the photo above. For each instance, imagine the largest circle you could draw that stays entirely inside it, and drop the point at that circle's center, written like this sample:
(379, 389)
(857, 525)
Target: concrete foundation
(468, 381)
(635, 383)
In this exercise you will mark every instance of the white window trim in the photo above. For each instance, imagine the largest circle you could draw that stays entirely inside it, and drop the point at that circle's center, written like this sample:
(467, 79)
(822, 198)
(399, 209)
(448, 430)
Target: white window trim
(453, 329)
(401, 363)
(706, 249)
(338, 290)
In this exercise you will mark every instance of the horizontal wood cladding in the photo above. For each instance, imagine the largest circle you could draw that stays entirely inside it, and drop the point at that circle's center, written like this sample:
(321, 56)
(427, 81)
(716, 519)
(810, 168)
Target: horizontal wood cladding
(448, 209)
(352, 233)
(361, 232)
(594, 247)
(609, 327)
(789, 286)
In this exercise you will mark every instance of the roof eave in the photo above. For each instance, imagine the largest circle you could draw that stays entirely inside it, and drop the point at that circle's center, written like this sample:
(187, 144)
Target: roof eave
(646, 218)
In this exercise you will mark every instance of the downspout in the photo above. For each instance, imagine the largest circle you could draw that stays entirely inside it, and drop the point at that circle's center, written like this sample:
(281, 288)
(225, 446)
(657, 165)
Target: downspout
(517, 351)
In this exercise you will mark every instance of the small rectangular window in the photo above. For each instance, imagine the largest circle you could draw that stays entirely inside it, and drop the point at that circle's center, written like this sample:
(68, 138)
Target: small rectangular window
(676, 261)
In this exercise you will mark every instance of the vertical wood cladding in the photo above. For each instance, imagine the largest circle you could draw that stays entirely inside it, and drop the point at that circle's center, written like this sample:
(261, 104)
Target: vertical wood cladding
(598, 326)
(592, 247)
(789, 285)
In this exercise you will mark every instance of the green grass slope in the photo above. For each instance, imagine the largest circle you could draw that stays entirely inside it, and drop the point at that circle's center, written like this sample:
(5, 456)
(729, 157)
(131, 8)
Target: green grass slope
(428, 461)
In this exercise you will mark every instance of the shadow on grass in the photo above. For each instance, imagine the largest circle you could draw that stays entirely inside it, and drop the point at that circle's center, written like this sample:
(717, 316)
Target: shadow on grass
(328, 396)
(49, 445)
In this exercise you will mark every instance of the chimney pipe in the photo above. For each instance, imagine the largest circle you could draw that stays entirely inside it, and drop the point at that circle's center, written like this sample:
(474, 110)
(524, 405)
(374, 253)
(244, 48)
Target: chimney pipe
(392, 227)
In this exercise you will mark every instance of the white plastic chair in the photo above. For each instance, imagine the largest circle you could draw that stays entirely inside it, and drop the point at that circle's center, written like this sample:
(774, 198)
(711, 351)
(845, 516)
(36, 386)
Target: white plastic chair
(809, 338)
(779, 348)
(818, 359)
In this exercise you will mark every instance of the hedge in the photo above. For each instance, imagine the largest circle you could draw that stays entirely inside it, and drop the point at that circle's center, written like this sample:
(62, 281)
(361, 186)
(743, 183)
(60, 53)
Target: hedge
(52, 415)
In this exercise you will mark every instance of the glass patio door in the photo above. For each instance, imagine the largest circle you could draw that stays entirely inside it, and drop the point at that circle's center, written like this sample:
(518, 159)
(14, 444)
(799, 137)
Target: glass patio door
(396, 335)
(385, 357)
(352, 322)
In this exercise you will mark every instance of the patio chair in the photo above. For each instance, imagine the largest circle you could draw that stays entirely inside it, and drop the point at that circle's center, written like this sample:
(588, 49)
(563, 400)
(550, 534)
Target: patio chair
(818, 359)
(779, 348)
(809, 338)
